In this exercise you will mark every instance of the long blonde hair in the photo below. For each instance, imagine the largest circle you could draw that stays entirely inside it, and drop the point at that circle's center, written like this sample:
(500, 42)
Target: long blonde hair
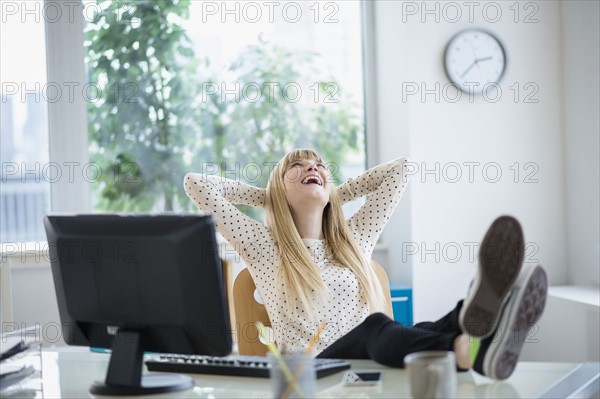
(296, 269)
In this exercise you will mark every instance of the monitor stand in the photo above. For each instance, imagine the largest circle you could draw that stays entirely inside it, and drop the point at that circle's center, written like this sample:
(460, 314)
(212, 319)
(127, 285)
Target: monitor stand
(124, 376)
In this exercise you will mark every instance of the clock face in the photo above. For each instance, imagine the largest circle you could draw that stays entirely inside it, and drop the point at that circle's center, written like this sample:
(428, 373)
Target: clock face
(474, 59)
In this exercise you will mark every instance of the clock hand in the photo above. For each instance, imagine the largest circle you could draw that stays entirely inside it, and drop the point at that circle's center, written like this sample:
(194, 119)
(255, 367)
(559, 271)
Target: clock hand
(476, 62)
(473, 50)
(468, 69)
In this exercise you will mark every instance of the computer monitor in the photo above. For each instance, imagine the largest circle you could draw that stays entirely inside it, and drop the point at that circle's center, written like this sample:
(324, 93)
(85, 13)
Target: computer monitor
(135, 283)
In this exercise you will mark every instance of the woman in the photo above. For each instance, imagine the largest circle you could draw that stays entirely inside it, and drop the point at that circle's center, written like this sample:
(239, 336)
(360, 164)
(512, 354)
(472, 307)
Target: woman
(310, 265)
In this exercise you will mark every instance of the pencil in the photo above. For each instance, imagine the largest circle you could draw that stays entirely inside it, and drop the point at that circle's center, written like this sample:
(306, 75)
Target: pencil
(307, 352)
(282, 364)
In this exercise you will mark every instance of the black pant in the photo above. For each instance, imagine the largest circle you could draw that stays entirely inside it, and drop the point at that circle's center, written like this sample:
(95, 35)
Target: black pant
(387, 342)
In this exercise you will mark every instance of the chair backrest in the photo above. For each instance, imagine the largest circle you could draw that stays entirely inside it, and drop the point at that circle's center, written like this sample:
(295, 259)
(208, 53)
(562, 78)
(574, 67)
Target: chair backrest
(248, 310)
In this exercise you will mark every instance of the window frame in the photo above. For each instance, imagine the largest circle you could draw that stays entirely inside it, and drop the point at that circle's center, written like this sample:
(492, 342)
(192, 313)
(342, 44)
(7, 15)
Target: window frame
(67, 118)
(370, 82)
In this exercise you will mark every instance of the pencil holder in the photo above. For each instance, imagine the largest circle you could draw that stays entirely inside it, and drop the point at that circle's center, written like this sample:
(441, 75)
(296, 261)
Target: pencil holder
(292, 376)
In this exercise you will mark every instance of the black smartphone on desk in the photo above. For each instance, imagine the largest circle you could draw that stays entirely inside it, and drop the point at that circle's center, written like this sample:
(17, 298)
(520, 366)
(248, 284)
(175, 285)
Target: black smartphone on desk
(362, 378)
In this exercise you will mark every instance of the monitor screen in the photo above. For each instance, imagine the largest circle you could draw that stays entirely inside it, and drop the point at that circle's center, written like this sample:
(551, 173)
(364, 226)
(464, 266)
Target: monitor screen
(155, 280)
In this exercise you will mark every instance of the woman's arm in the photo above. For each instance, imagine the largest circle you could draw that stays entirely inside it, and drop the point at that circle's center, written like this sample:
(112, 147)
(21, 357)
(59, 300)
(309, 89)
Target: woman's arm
(385, 183)
(217, 195)
(368, 182)
(235, 191)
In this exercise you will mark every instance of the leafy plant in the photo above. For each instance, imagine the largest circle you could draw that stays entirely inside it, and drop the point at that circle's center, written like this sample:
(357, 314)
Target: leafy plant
(176, 124)
(143, 121)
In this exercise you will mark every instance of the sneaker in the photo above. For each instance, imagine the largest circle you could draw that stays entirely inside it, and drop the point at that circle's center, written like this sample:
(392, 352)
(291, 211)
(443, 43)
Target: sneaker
(499, 354)
(500, 259)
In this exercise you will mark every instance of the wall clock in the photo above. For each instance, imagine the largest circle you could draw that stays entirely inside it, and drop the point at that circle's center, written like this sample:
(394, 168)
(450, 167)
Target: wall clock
(474, 60)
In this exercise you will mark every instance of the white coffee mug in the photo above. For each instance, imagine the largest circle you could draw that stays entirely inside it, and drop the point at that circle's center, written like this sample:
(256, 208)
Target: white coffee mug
(432, 374)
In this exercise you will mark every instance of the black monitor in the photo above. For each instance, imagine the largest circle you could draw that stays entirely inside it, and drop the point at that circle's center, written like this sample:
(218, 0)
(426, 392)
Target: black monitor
(135, 283)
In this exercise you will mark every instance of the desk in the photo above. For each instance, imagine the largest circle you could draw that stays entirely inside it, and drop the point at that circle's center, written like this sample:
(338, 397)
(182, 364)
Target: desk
(68, 373)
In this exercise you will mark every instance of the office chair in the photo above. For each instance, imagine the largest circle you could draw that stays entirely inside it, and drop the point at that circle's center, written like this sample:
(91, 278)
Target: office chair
(248, 311)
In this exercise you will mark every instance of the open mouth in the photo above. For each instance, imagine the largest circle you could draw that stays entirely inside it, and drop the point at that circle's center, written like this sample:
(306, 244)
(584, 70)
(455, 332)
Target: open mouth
(312, 180)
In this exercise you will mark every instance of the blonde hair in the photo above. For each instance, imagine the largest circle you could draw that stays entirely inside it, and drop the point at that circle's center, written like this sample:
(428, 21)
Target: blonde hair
(296, 269)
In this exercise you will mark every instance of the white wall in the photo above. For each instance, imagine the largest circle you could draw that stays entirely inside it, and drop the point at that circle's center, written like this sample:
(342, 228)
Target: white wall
(581, 31)
(450, 216)
(559, 135)
(28, 296)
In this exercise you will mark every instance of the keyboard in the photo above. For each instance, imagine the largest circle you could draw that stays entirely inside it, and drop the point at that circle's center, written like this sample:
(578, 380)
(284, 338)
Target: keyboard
(235, 365)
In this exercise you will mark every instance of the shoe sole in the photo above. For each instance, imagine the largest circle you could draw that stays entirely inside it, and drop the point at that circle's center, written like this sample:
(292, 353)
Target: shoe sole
(500, 259)
(521, 314)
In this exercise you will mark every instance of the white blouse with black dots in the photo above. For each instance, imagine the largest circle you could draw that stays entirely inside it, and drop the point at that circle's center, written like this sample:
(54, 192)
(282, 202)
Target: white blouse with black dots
(345, 306)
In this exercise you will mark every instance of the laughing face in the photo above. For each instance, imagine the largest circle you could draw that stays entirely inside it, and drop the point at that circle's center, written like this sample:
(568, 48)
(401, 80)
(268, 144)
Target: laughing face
(307, 183)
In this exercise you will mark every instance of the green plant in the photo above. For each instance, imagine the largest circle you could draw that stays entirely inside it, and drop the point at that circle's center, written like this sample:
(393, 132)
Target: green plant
(143, 122)
(173, 126)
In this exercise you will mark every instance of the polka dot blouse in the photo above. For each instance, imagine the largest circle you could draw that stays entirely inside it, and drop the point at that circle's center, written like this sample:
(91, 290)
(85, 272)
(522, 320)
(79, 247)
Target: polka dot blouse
(345, 306)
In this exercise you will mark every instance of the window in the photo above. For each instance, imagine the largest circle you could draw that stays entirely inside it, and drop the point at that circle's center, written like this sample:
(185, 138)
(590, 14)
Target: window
(24, 93)
(217, 87)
